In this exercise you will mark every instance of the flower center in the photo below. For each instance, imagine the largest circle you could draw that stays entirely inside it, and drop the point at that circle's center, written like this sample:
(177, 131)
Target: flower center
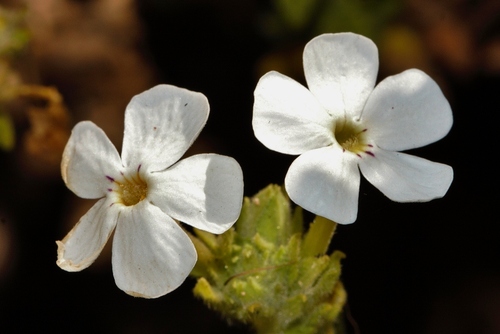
(351, 136)
(131, 189)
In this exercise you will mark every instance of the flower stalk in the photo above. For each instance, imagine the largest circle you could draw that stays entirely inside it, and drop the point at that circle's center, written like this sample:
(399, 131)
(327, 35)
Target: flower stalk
(267, 273)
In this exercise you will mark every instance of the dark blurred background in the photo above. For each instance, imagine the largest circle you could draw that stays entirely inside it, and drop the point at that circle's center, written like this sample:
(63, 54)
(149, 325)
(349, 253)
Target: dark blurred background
(410, 268)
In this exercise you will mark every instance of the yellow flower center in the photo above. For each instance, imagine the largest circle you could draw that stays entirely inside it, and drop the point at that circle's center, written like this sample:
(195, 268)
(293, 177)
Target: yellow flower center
(130, 189)
(352, 137)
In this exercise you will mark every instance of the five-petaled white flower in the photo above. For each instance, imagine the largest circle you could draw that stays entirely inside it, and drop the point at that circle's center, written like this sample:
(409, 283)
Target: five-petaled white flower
(343, 122)
(142, 192)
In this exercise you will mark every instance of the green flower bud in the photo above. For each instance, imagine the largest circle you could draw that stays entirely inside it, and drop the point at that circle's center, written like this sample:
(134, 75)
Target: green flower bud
(265, 272)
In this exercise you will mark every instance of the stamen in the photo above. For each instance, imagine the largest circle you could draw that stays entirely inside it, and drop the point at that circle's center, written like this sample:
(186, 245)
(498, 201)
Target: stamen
(130, 189)
(351, 137)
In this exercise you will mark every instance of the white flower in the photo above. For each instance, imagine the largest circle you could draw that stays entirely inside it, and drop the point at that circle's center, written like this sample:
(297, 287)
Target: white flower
(142, 192)
(344, 124)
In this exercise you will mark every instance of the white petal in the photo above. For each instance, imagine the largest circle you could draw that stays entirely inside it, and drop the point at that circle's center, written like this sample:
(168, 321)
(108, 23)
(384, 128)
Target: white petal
(341, 70)
(83, 244)
(406, 111)
(287, 118)
(89, 156)
(406, 178)
(204, 191)
(161, 124)
(151, 255)
(326, 182)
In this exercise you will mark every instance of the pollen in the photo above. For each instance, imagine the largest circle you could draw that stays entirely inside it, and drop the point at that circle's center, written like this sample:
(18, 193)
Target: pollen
(130, 189)
(352, 137)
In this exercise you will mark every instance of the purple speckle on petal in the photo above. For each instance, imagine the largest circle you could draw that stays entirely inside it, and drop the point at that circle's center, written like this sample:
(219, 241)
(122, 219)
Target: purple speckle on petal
(110, 178)
(370, 153)
(139, 168)
(110, 190)
(359, 155)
